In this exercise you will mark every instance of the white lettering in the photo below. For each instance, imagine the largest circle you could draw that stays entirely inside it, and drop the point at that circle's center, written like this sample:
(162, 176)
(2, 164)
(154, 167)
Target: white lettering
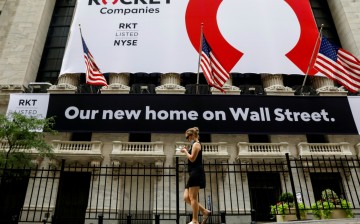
(73, 110)
(239, 112)
(208, 115)
(132, 114)
(282, 115)
(169, 115)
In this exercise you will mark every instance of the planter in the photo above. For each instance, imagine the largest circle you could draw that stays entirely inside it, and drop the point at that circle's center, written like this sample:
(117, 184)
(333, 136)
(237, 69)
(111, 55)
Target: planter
(290, 217)
(338, 214)
(285, 218)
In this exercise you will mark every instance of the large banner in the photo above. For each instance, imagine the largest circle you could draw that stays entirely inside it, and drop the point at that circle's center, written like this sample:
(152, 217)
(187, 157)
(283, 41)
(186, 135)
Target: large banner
(211, 113)
(249, 36)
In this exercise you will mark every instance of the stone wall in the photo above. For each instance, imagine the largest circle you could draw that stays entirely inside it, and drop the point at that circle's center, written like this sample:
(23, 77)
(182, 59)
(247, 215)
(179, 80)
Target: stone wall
(23, 29)
(346, 15)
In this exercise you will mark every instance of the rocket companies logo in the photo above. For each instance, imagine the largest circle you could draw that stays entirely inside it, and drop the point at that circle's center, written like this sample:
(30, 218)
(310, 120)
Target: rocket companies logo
(125, 11)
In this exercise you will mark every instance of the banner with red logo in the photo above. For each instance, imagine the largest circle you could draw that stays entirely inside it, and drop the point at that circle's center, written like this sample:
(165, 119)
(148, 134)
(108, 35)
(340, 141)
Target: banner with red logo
(249, 36)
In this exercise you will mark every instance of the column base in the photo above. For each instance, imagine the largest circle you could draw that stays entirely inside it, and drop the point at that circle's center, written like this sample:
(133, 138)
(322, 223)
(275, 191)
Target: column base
(115, 88)
(170, 89)
(279, 90)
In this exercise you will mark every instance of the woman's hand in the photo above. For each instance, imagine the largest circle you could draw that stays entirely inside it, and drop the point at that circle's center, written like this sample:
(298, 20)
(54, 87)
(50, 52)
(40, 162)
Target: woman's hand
(183, 149)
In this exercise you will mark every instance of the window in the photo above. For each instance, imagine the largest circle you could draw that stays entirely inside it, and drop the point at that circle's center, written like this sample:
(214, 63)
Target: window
(140, 137)
(259, 139)
(54, 49)
(81, 136)
(205, 138)
(316, 139)
(322, 15)
(322, 181)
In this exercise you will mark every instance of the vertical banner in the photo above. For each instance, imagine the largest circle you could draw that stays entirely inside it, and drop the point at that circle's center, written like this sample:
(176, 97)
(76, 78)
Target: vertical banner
(249, 36)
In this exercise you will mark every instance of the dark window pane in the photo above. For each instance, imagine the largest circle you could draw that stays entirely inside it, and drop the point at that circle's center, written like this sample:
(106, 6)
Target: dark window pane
(140, 137)
(259, 139)
(323, 15)
(81, 136)
(53, 54)
(316, 139)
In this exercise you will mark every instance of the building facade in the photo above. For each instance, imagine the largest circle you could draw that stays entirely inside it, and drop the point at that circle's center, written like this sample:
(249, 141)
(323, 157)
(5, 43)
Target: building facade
(33, 37)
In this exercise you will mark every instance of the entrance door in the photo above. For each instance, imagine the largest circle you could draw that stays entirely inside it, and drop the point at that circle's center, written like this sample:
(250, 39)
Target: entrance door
(265, 189)
(13, 187)
(72, 198)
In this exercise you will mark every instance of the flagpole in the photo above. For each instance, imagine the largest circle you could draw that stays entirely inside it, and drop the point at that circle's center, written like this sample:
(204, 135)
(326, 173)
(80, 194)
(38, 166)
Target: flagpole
(200, 51)
(312, 58)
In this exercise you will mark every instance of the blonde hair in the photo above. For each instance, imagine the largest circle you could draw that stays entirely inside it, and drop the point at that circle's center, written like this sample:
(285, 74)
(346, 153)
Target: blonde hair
(193, 131)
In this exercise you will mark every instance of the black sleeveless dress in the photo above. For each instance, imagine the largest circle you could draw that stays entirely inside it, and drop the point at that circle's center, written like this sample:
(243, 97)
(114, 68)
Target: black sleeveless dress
(196, 171)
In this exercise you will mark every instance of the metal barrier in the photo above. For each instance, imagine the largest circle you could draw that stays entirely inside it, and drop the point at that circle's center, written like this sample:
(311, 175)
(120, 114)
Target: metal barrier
(153, 194)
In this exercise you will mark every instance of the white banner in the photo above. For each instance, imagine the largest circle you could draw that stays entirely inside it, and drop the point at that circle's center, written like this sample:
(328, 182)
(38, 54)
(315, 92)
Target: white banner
(31, 105)
(248, 36)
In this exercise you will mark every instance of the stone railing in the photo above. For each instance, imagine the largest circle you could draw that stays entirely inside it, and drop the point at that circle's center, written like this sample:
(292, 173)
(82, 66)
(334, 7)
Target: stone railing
(324, 149)
(262, 150)
(211, 151)
(4, 145)
(138, 152)
(78, 151)
(35, 158)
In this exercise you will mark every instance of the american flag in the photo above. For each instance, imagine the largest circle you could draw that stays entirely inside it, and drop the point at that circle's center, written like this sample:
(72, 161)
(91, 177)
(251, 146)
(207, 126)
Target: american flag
(214, 73)
(93, 75)
(338, 65)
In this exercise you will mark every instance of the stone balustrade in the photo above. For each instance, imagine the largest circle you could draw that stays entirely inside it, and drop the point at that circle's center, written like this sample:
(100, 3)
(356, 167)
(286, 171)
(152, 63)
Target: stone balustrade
(324, 149)
(78, 151)
(262, 150)
(137, 152)
(211, 151)
(4, 145)
(35, 158)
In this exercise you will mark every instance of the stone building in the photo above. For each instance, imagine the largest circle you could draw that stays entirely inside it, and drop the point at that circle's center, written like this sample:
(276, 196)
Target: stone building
(33, 35)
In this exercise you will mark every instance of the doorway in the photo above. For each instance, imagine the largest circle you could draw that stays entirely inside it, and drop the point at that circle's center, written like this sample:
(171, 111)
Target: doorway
(13, 185)
(73, 197)
(265, 189)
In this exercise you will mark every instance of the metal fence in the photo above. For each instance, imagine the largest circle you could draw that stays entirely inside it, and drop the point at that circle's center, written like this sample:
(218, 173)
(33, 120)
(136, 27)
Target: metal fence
(139, 193)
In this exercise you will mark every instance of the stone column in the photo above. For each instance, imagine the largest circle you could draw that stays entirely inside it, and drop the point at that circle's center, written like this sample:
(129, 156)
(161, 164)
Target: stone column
(118, 83)
(23, 29)
(67, 83)
(274, 85)
(228, 87)
(170, 84)
(325, 86)
(346, 15)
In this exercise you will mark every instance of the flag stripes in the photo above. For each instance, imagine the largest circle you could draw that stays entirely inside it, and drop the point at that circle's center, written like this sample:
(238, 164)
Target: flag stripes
(214, 73)
(338, 65)
(93, 74)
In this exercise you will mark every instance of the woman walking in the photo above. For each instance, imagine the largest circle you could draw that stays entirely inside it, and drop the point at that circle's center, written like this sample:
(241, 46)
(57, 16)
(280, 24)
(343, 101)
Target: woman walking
(196, 179)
